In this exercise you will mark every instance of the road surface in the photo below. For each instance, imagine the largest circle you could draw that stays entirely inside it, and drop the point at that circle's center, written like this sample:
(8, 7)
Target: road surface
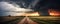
(26, 20)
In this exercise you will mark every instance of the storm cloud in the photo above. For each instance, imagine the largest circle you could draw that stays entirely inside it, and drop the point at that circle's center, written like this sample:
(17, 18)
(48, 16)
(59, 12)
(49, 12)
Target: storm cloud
(13, 9)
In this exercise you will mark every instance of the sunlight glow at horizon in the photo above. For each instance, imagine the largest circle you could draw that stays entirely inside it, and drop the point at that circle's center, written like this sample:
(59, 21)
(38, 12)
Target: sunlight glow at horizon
(31, 14)
(54, 13)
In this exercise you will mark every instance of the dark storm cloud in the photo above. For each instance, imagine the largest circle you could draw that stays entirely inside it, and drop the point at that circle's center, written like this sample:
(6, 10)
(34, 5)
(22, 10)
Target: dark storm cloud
(48, 4)
(23, 3)
(41, 6)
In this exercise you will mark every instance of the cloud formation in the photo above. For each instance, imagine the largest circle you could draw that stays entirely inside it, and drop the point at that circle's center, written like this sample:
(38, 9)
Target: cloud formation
(13, 9)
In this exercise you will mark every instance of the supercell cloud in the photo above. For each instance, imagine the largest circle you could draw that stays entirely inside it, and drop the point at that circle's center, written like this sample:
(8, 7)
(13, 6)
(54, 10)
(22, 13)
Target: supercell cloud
(13, 9)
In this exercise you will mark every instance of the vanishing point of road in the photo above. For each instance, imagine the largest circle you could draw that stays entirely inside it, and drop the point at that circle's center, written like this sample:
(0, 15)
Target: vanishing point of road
(26, 20)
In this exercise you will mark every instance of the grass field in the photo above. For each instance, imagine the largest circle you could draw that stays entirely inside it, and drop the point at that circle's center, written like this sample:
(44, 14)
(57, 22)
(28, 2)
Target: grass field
(46, 19)
(10, 20)
(38, 19)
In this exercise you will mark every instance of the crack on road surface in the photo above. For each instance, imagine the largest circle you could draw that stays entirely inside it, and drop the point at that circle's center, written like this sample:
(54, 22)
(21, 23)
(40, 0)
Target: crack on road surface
(26, 20)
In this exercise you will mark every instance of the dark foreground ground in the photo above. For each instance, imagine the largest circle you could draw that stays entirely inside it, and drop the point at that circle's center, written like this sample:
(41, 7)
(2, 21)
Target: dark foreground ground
(29, 20)
(10, 20)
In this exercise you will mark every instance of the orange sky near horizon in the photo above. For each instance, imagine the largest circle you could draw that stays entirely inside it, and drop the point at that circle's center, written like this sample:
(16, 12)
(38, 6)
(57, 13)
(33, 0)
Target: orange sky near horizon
(51, 12)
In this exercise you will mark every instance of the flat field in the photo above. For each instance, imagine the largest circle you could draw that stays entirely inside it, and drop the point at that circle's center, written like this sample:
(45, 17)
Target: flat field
(46, 19)
(10, 20)
(37, 19)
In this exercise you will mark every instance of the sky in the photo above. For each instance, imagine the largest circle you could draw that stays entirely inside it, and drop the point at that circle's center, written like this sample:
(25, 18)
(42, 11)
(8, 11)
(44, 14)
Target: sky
(14, 7)
(11, 9)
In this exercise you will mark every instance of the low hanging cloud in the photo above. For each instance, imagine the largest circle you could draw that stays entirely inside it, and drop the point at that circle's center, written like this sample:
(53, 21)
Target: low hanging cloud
(13, 9)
